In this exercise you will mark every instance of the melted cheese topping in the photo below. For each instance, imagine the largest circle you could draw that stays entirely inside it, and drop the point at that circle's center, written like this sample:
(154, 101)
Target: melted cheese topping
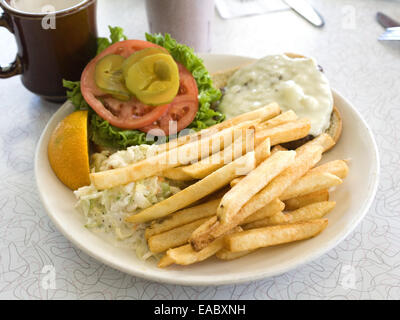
(295, 84)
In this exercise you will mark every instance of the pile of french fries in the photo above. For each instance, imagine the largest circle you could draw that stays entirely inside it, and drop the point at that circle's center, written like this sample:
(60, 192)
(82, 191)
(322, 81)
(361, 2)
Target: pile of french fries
(247, 191)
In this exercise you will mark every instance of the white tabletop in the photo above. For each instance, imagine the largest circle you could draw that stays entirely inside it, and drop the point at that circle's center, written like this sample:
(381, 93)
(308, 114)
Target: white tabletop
(364, 266)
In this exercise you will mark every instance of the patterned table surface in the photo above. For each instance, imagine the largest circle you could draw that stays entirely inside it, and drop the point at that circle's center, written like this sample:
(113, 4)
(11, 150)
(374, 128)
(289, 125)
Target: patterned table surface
(364, 266)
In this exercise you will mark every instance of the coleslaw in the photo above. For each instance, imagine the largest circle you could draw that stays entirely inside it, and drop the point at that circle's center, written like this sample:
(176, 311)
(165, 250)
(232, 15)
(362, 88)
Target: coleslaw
(105, 211)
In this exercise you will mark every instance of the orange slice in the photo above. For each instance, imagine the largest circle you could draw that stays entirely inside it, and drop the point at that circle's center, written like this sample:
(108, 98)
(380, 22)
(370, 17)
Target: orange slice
(68, 150)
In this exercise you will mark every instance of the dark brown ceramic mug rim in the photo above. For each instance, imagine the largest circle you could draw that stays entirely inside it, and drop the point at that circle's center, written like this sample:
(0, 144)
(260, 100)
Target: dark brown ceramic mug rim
(30, 15)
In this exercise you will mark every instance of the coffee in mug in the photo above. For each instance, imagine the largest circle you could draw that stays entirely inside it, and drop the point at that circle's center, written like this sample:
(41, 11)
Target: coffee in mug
(39, 6)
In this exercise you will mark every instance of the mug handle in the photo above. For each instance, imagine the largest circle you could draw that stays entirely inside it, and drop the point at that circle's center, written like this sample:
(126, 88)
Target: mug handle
(15, 67)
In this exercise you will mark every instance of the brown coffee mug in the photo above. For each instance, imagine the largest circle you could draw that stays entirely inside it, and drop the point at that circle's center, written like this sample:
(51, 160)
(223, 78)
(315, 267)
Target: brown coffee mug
(51, 46)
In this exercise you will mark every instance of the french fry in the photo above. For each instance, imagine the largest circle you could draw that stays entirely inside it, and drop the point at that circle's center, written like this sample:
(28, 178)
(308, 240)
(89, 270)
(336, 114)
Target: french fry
(215, 195)
(263, 151)
(337, 167)
(204, 229)
(264, 113)
(173, 238)
(185, 255)
(301, 201)
(310, 155)
(286, 132)
(324, 140)
(310, 212)
(224, 254)
(279, 184)
(311, 182)
(176, 174)
(269, 210)
(235, 181)
(165, 261)
(280, 119)
(277, 218)
(217, 160)
(196, 191)
(183, 217)
(257, 179)
(267, 112)
(277, 148)
(170, 159)
(274, 235)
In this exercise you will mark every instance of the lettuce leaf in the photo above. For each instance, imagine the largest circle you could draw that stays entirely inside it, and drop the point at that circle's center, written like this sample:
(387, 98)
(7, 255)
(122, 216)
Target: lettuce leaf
(74, 94)
(206, 116)
(116, 35)
(102, 133)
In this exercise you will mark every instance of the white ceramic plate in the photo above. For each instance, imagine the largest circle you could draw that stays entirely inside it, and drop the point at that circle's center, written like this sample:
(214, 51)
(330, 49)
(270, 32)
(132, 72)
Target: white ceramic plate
(353, 198)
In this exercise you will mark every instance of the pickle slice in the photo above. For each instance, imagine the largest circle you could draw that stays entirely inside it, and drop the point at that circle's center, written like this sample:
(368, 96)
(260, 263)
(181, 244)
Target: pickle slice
(109, 76)
(135, 57)
(154, 79)
(161, 70)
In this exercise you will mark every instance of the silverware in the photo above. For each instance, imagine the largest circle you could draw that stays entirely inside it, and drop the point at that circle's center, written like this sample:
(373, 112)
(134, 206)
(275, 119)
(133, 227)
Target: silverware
(304, 9)
(390, 34)
(386, 21)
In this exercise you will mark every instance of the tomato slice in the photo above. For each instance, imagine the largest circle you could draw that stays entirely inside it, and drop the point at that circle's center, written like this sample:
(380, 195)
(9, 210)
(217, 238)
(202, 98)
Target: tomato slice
(180, 114)
(134, 114)
(130, 114)
(183, 108)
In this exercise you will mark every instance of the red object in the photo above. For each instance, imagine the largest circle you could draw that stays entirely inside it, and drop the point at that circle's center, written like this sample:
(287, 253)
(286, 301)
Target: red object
(134, 114)
(182, 110)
